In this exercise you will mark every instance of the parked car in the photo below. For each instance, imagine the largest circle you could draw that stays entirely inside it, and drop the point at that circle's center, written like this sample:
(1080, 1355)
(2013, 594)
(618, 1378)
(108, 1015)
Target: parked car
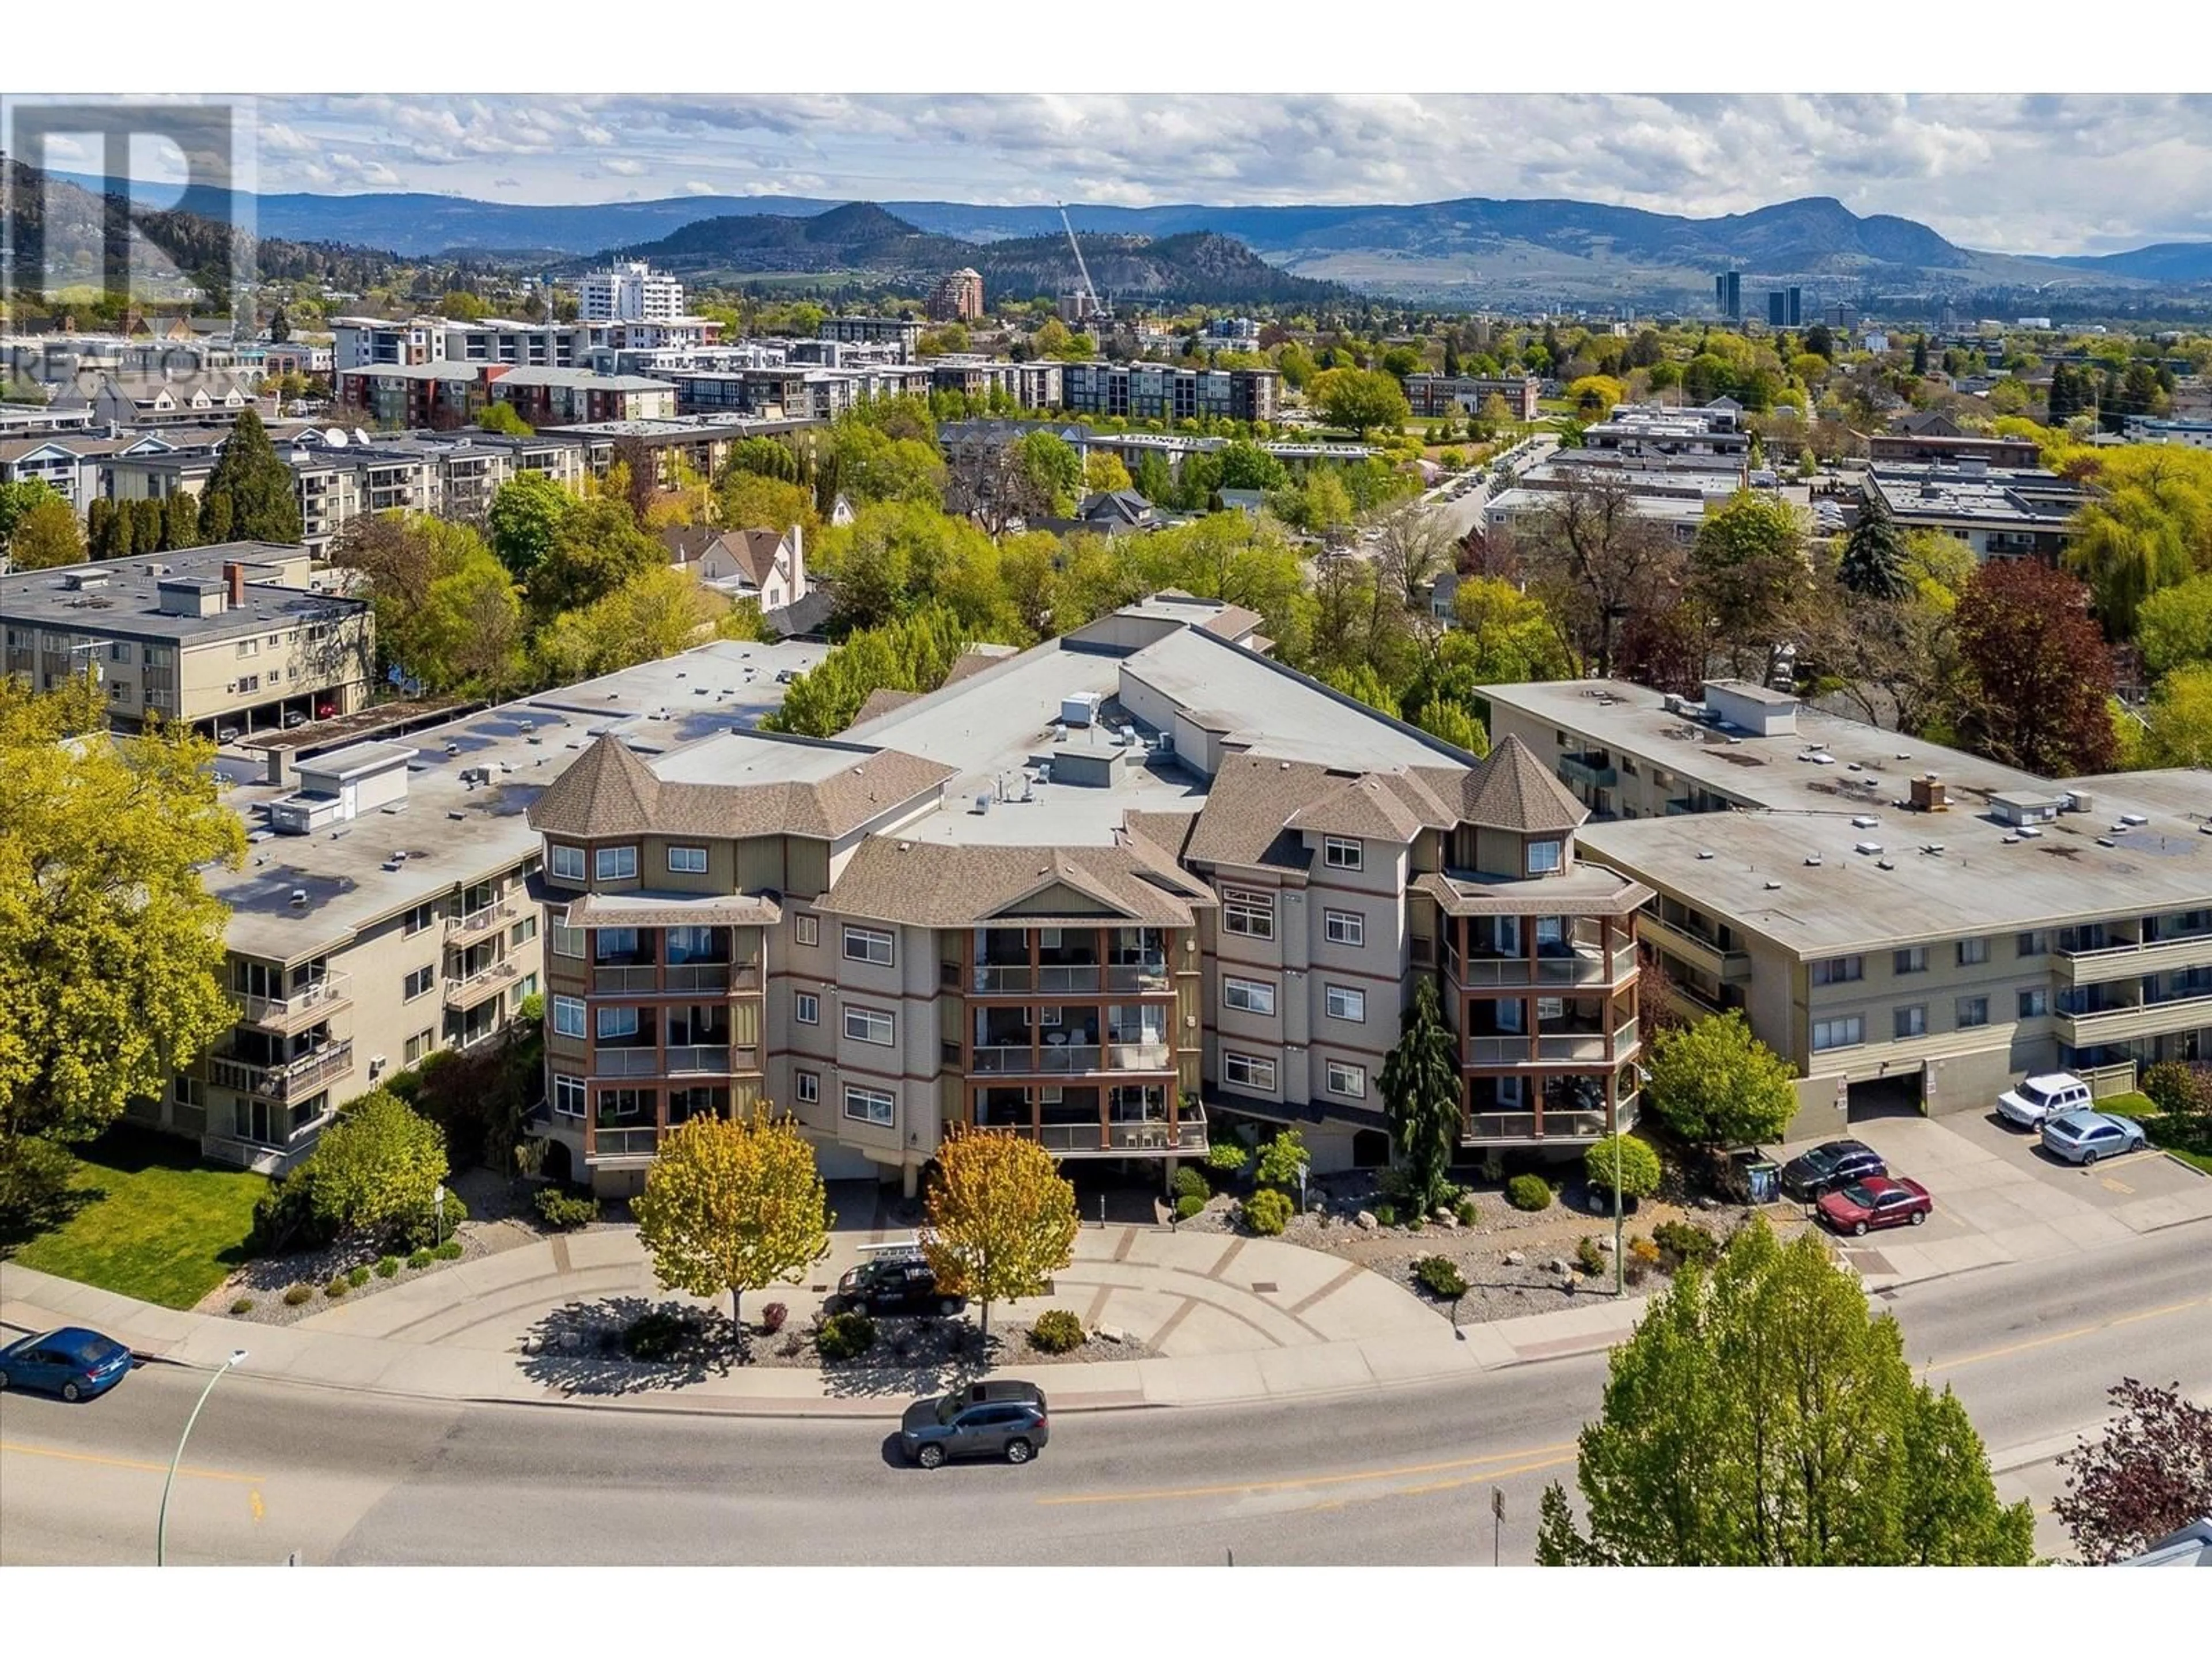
(1003, 1419)
(1832, 1164)
(2084, 1136)
(295, 718)
(2040, 1097)
(898, 1284)
(72, 1362)
(228, 734)
(1876, 1201)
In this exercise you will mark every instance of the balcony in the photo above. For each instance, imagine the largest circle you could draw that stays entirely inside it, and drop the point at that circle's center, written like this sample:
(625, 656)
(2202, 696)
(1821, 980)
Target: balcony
(1154, 1135)
(614, 1146)
(241, 1154)
(1051, 978)
(469, 989)
(1592, 770)
(2088, 1030)
(642, 1061)
(478, 922)
(1581, 967)
(289, 1081)
(627, 980)
(316, 998)
(1137, 976)
(1695, 949)
(1558, 1047)
(714, 976)
(1519, 1128)
(2129, 961)
(696, 1060)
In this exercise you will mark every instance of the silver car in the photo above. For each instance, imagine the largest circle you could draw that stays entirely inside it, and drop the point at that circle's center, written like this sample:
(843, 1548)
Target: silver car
(2084, 1136)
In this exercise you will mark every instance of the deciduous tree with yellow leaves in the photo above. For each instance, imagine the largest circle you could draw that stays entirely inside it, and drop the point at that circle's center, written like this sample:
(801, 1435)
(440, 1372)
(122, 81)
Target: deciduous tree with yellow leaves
(1001, 1219)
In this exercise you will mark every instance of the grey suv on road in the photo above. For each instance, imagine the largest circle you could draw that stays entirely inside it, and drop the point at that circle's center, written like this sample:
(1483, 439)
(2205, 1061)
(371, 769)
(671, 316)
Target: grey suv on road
(986, 1419)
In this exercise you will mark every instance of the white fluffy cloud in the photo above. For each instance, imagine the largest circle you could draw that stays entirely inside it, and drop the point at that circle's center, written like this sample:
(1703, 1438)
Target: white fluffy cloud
(2050, 174)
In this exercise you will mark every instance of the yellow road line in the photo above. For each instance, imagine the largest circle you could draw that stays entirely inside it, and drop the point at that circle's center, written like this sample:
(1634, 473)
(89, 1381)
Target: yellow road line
(1238, 1488)
(2078, 1332)
(125, 1463)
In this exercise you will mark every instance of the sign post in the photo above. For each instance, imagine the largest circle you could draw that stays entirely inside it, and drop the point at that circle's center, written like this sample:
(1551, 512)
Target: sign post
(1497, 1525)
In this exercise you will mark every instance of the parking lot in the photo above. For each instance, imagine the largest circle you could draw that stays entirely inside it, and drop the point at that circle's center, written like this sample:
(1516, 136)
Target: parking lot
(1999, 1197)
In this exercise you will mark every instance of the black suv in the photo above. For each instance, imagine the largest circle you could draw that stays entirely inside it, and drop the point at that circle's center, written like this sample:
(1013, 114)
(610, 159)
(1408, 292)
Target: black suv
(1832, 1164)
(1002, 1418)
(898, 1284)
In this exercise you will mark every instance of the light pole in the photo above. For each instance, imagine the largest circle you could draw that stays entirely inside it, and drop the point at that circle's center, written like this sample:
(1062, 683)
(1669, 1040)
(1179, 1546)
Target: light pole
(1619, 1267)
(161, 1527)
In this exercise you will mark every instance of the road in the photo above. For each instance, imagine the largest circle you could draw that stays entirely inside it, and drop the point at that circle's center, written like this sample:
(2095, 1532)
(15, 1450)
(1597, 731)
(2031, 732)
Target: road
(1463, 513)
(1402, 1477)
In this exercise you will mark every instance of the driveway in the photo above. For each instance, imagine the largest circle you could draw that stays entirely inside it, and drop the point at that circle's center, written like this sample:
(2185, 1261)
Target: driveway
(1999, 1197)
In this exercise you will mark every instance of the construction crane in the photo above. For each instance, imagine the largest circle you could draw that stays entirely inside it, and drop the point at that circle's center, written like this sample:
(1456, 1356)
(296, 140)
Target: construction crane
(1090, 292)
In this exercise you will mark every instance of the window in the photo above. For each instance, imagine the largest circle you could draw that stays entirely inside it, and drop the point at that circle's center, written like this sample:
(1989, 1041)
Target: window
(1838, 970)
(806, 1007)
(616, 863)
(568, 1017)
(2034, 1004)
(1914, 960)
(1845, 1033)
(868, 1025)
(1973, 951)
(567, 863)
(1345, 927)
(568, 941)
(417, 919)
(523, 931)
(1345, 1003)
(1246, 912)
(687, 860)
(1972, 1011)
(1911, 1021)
(525, 989)
(184, 1089)
(868, 944)
(568, 1096)
(1346, 1079)
(807, 1085)
(1338, 854)
(616, 944)
(2036, 944)
(420, 981)
(1543, 857)
(1248, 1071)
(806, 930)
(1250, 996)
(616, 1023)
(420, 1044)
(869, 1105)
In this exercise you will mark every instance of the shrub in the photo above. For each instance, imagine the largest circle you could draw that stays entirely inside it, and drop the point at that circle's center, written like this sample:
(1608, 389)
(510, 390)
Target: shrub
(35, 1194)
(448, 1251)
(772, 1318)
(1638, 1166)
(844, 1336)
(1685, 1243)
(1467, 1214)
(338, 1287)
(387, 1267)
(564, 1209)
(357, 1277)
(298, 1295)
(790, 1346)
(1441, 1278)
(1267, 1211)
(1282, 1158)
(284, 1217)
(1642, 1249)
(243, 1305)
(1188, 1206)
(418, 1260)
(657, 1334)
(2178, 1090)
(1529, 1192)
(1589, 1257)
(1227, 1159)
(422, 1227)
(1386, 1215)
(1190, 1183)
(1056, 1331)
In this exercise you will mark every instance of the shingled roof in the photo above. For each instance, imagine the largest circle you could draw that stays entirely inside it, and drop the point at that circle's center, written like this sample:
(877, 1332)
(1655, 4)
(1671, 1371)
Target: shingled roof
(1511, 790)
(936, 885)
(1259, 803)
(608, 791)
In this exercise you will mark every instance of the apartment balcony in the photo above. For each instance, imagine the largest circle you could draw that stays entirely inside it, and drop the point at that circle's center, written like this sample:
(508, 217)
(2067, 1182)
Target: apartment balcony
(630, 979)
(479, 922)
(1557, 1128)
(1151, 976)
(2128, 961)
(718, 978)
(698, 1061)
(1580, 967)
(253, 1155)
(1554, 1048)
(2136, 1020)
(1695, 949)
(624, 1146)
(289, 1081)
(1048, 978)
(468, 990)
(1590, 771)
(1156, 1136)
(315, 1001)
(642, 1061)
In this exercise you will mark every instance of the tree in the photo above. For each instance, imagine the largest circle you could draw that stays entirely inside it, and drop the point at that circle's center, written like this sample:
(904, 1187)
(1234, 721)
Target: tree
(2149, 1474)
(251, 496)
(1422, 1091)
(1399, 361)
(732, 1204)
(2038, 673)
(375, 1169)
(1360, 399)
(111, 949)
(499, 417)
(1873, 565)
(596, 547)
(1597, 564)
(1103, 471)
(767, 458)
(1716, 1084)
(1052, 470)
(656, 612)
(525, 515)
(2177, 724)
(180, 521)
(911, 652)
(1765, 1415)
(1283, 1160)
(1748, 574)
(2173, 626)
(1595, 396)
(2148, 525)
(1245, 465)
(280, 328)
(16, 500)
(46, 535)
(1625, 1159)
(1001, 1219)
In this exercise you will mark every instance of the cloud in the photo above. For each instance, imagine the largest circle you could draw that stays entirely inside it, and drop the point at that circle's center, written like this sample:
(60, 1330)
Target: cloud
(699, 187)
(624, 165)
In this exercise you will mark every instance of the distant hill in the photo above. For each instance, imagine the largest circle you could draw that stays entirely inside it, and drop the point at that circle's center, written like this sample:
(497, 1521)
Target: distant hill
(2162, 262)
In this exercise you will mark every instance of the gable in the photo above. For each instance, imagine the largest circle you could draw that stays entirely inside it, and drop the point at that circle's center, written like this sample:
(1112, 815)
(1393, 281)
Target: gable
(1058, 898)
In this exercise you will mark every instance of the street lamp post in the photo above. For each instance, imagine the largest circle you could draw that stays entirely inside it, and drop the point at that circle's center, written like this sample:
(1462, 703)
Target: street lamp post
(1620, 1267)
(161, 1527)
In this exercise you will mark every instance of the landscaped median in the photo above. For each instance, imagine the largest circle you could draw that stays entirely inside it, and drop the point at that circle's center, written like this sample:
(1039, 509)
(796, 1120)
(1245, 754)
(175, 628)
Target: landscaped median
(2189, 1139)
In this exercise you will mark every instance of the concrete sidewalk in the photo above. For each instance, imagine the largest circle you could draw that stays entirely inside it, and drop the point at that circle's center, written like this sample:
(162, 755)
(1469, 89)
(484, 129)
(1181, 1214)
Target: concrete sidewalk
(316, 1354)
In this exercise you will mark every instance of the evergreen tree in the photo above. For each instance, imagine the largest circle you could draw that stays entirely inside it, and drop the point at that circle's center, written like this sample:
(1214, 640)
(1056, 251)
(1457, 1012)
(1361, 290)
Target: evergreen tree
(1451, 358)
(280, 328)
(1920, 354)
(250, 493)
(1873, 564)
(100, 529)
(1421, 1091)
(145, 527)
(180, 521)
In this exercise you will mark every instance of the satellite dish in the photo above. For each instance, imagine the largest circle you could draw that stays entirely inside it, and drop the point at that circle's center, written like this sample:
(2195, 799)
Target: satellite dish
(361, 437)
(334, 438)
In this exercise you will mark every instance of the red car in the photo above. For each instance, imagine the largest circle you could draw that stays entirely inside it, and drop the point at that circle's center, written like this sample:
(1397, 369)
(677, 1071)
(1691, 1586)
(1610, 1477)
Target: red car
(1876, 1201)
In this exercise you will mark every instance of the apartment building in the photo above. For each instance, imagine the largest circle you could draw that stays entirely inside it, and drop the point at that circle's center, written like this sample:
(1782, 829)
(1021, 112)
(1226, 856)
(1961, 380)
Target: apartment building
(1163, 391)
(433, 397)
(794, 391)
(1101, 892)
(560, 397)
(1029, 385)
(957, 297)
(1432, 395)
(230, 638)
(67, 462)
(2190, 434)
(1998, 512)
(630, 292)
(902, 332)
(1929, 435)
(1906, 924)
(375, 343)
(700, 442)
(121, 398)
(1654, 429)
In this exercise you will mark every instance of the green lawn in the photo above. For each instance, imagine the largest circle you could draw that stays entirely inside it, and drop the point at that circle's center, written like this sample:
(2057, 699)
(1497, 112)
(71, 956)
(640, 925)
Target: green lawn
(2141, 1106)
(156, 1223)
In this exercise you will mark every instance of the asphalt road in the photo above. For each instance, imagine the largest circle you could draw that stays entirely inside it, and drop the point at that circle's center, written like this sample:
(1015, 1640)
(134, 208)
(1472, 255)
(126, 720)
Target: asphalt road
(1400, 1477)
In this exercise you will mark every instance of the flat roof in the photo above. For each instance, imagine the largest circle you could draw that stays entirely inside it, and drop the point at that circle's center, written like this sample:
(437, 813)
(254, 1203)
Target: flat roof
(126, 602)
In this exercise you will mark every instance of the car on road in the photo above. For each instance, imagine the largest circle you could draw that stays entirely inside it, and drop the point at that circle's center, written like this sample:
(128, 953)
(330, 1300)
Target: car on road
(2084, 1136)
(1877, 1202)
(896, 1284)
(999, 1419)
(1832, 1164)
(72, 1362)
(2041, 1097)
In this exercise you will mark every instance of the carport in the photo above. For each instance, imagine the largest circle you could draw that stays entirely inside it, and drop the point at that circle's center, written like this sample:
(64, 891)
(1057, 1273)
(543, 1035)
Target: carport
(1878, 1098)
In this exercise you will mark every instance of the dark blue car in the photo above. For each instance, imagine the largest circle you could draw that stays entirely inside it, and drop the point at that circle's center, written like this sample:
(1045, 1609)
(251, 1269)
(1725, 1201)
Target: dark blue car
(73, 1362)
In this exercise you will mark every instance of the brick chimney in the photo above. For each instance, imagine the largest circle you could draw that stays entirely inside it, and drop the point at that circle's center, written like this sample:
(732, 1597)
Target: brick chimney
(234, 576)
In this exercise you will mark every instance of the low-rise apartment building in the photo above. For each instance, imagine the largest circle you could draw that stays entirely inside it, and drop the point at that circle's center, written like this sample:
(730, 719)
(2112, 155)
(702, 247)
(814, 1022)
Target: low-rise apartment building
(1035, 384)
(793, 391)
(1431, 395)
(1713, 430)
(2001, 513)
(1906, 924)
(231, 638)
(565, 396)
(1163, 391)
(903, 333)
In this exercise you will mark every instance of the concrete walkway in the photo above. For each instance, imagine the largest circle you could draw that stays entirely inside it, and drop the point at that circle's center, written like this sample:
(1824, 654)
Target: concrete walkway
(1233, 1321)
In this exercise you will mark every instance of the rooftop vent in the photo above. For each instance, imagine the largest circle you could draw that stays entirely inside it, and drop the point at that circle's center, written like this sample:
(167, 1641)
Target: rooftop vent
(1773, 886)
(1883, 864)
(1862, 822)
(298, 898)
(2105, 841)
(1934, 848)
(1868, 847)
(2027, 832)
(1812, 860)
(2134, 820)
(1704, 854)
